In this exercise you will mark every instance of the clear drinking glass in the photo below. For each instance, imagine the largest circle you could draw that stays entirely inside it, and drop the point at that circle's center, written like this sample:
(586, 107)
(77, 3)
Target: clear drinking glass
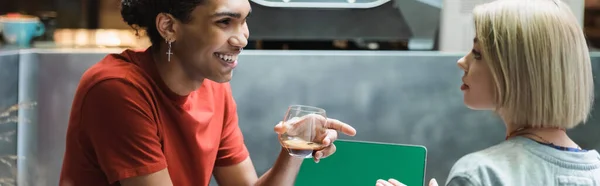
(305, 130)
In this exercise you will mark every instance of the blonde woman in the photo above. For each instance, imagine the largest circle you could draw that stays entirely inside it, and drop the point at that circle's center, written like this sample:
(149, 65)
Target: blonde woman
(530, 64)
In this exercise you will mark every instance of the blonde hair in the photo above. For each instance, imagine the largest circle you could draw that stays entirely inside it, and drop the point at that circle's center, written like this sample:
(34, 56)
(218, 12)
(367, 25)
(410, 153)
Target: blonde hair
(539, 60)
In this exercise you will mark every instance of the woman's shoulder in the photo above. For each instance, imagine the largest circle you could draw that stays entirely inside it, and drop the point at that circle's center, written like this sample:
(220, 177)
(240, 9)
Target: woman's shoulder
(487, 166)
(520, 161)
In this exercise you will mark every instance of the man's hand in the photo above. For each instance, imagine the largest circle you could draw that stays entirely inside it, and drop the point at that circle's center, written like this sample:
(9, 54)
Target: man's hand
(327, 137)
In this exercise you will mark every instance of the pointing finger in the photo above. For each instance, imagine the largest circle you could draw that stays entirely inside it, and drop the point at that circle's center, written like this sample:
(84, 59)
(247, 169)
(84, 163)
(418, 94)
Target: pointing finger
(340, 126)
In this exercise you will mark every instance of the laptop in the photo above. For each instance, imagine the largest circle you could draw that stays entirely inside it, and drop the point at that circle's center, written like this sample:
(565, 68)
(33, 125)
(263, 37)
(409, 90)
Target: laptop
(361, 163)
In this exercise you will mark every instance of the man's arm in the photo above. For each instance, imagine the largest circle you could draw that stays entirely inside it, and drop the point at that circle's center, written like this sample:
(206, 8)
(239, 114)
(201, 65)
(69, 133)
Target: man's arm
(160, 178)
(234, 166)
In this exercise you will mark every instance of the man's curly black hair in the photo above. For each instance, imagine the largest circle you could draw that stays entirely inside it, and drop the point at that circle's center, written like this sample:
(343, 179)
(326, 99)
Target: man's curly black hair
(142, 14)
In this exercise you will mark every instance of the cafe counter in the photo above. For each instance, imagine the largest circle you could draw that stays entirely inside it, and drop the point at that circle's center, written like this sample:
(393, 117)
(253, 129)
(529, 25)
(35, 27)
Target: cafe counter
(394, 97)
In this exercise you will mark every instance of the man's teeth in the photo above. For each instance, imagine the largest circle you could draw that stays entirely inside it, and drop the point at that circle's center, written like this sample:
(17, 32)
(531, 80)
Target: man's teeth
(228, 58)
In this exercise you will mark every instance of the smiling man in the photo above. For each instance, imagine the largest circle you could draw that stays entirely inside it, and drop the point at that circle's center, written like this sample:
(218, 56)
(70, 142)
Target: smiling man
(166, 115)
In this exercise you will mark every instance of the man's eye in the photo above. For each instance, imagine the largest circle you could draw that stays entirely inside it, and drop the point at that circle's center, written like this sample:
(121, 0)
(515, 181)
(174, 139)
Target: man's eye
(224, 21)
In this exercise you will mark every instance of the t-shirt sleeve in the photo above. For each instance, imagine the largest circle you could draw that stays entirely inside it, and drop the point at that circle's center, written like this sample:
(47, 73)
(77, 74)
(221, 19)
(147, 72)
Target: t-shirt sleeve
(118, 121)
(232, 149)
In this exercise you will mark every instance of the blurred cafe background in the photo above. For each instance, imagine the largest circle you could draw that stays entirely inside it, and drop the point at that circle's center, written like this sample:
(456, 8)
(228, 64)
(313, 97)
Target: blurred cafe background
(387, 67)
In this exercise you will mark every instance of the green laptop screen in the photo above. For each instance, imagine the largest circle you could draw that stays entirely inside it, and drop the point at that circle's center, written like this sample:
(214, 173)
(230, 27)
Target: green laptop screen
(362, 163)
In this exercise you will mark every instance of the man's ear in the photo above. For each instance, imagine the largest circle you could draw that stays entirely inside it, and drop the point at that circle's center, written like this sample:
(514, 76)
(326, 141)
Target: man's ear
(167, 26)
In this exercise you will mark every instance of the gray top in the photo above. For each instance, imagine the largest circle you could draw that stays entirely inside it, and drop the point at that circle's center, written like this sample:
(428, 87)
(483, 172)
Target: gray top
(522, 161)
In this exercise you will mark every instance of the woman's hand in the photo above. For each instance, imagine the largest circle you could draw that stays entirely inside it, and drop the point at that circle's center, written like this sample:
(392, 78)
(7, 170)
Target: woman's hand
(393, 182)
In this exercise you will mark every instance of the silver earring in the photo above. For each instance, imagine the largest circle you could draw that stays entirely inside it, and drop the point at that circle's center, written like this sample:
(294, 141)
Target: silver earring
(169, 51)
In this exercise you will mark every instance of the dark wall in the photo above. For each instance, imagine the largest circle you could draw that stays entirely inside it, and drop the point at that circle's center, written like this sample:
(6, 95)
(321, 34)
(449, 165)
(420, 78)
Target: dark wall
(70, 13)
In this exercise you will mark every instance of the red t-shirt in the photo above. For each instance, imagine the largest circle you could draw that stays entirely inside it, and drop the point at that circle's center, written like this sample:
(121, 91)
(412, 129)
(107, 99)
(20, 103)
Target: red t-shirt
(126, 122)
